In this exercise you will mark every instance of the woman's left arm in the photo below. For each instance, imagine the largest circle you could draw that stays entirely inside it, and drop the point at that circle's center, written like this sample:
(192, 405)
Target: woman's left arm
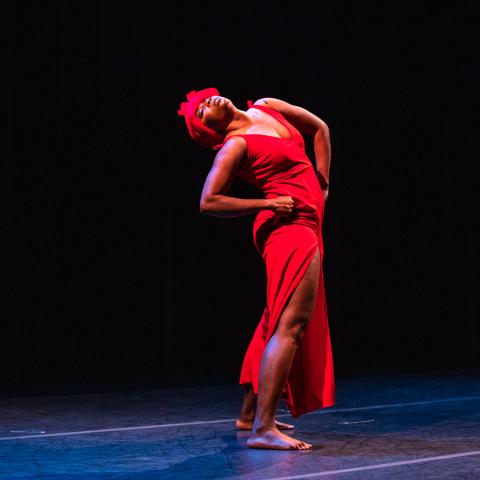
(309, 124)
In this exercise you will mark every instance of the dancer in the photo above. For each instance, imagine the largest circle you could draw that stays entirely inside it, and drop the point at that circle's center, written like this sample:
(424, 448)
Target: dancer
(290, 353)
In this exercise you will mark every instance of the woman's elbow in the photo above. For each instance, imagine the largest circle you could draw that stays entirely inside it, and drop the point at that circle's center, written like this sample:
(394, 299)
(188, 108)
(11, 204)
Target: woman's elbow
(322, 132)
(205, 204)
(203, 208)
(323, 127)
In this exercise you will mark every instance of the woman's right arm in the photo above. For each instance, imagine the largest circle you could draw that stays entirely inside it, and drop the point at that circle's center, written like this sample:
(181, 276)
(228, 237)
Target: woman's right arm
(213, 200)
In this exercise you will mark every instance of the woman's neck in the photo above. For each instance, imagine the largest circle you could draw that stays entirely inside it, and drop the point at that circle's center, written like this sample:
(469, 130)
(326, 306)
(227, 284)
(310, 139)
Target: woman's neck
(242, 120)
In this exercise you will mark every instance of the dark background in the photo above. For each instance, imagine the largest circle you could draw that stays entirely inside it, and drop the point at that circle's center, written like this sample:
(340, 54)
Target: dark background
(114, 279)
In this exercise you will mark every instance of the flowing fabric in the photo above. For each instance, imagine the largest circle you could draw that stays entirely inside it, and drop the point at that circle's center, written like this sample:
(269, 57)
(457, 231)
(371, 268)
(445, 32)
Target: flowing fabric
(280, 166)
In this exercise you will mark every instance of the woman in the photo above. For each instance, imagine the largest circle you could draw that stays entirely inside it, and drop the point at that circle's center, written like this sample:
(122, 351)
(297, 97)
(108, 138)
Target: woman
(290, 354)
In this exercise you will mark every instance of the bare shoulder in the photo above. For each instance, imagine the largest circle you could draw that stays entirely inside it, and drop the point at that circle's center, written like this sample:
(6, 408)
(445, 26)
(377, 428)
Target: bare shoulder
(273, 103)
(234, 144)
(285, 108)
(231, 153)
(306, 121)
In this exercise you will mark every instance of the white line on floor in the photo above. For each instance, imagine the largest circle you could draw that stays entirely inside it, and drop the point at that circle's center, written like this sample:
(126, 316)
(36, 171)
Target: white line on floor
(378, 465)
(228, 420)
(405, 404)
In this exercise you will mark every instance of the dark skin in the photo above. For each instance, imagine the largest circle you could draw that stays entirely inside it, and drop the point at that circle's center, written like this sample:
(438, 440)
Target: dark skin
(258, 411)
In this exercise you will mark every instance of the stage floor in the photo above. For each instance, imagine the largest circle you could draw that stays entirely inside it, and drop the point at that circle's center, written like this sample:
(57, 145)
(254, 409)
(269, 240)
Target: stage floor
(399, 426)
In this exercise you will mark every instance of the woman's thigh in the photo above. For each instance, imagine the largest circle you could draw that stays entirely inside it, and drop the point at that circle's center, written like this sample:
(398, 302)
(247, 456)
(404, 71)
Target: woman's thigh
(299, 308)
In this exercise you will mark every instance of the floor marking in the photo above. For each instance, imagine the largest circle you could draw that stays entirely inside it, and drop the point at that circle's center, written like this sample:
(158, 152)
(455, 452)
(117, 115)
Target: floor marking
(406, 404)
(378, 465)
(119, 429)
(358, 421)
(228, 420)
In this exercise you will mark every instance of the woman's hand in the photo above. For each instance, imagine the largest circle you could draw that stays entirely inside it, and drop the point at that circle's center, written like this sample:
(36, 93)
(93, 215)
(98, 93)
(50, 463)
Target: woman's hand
(282, 205)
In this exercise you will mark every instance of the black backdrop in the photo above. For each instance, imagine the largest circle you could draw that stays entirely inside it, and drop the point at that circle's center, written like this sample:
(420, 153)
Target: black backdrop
(113, 276)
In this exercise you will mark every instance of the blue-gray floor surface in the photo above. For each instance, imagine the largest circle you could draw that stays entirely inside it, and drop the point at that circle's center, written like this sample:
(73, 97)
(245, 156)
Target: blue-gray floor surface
(403, 426)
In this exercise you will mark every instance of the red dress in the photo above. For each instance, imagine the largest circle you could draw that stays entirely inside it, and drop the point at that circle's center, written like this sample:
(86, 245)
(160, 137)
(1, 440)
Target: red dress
(280, 166)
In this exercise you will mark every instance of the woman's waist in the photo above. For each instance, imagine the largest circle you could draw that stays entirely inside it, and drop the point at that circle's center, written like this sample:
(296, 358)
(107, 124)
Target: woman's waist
(311, 218)
(305, 204)
(267, 221)
(303, 190)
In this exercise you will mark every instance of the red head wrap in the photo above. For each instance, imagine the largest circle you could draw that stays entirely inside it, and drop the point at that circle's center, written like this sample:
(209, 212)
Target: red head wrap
(199, 132)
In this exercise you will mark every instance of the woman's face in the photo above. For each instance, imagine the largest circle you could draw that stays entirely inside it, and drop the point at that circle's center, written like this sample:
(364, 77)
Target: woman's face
(215, 112)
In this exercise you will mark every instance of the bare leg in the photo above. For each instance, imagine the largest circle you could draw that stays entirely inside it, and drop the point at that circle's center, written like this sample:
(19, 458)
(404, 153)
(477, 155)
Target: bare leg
(277, 361)
(249, 408)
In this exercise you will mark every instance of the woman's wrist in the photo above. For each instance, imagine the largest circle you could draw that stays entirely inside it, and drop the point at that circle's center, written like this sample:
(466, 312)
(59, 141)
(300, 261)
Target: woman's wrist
(268, 204)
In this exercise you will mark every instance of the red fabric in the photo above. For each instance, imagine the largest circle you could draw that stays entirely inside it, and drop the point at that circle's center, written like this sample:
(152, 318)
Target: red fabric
(280, 166)
(199, 132)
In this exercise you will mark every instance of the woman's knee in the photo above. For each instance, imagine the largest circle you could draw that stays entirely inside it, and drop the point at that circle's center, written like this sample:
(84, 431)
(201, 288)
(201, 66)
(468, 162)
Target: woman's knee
(299, 328)
(294, 327)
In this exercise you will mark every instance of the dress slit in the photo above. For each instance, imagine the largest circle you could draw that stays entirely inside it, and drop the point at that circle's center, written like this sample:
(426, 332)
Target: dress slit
(287, 253)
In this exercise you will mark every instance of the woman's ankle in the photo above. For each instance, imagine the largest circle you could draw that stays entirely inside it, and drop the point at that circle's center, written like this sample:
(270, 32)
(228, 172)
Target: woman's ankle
(246, 417)
(260, 427)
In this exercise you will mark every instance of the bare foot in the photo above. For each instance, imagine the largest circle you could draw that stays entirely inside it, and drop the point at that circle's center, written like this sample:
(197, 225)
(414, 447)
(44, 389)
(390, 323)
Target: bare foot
(276, 440)
(248, 424)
